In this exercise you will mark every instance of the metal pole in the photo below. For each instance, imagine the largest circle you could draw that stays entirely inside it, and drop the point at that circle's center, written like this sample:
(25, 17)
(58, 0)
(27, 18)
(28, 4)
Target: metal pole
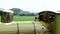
(17, 28)
(34, 28)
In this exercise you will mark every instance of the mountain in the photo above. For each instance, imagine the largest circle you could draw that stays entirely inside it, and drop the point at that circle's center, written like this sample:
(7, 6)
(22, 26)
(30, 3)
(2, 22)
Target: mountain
(20, 12)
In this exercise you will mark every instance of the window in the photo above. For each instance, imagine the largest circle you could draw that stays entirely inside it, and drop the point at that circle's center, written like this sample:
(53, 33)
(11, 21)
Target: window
(41, 17)
(51, 18)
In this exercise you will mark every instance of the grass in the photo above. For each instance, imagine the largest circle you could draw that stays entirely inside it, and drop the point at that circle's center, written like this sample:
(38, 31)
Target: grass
(0, 18)
(31, 18)
(22, 18)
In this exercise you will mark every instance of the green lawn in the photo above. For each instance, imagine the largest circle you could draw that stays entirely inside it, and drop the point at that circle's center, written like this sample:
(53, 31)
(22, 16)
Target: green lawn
(0, 18)
(22, 18)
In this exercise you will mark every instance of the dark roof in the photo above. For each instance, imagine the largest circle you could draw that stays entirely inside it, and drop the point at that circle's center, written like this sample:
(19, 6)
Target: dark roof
(47, 12)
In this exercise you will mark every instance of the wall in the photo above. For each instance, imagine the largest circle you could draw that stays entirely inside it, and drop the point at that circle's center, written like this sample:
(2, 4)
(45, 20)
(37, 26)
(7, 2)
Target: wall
(57, 24)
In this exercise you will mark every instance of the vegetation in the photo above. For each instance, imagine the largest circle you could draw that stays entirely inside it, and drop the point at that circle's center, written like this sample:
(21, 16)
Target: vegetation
(0, 18)
(22, 18)
(21, 15)
(20, 12)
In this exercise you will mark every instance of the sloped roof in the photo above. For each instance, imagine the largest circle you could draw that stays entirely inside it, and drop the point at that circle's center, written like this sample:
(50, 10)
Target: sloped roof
(56, 12)
(10, 11)
(46, 11)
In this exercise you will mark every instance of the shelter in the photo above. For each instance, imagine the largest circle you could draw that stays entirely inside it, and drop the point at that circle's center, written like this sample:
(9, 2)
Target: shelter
(6, 16)
(47, 16)
(53, 18)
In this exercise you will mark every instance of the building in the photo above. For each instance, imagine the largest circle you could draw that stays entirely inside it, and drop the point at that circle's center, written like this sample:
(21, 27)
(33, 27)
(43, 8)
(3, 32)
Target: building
(6, 16)
(53, 18)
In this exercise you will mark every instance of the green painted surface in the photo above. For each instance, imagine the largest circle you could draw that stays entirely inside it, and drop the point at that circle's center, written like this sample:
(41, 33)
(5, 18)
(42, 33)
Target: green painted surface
(58, 24)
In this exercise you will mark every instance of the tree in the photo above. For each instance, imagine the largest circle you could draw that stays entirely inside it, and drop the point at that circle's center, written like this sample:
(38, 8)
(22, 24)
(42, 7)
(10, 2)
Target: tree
(20, 12)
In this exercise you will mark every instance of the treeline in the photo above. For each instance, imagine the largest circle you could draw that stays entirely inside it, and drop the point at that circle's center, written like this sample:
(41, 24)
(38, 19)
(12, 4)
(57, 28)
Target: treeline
(20, 12)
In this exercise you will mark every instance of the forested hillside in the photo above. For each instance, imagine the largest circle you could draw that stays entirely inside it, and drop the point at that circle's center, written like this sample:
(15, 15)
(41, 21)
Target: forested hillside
(20, 12)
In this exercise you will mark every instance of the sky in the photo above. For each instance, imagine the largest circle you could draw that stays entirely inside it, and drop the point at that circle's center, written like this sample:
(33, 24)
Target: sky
(31, 5)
